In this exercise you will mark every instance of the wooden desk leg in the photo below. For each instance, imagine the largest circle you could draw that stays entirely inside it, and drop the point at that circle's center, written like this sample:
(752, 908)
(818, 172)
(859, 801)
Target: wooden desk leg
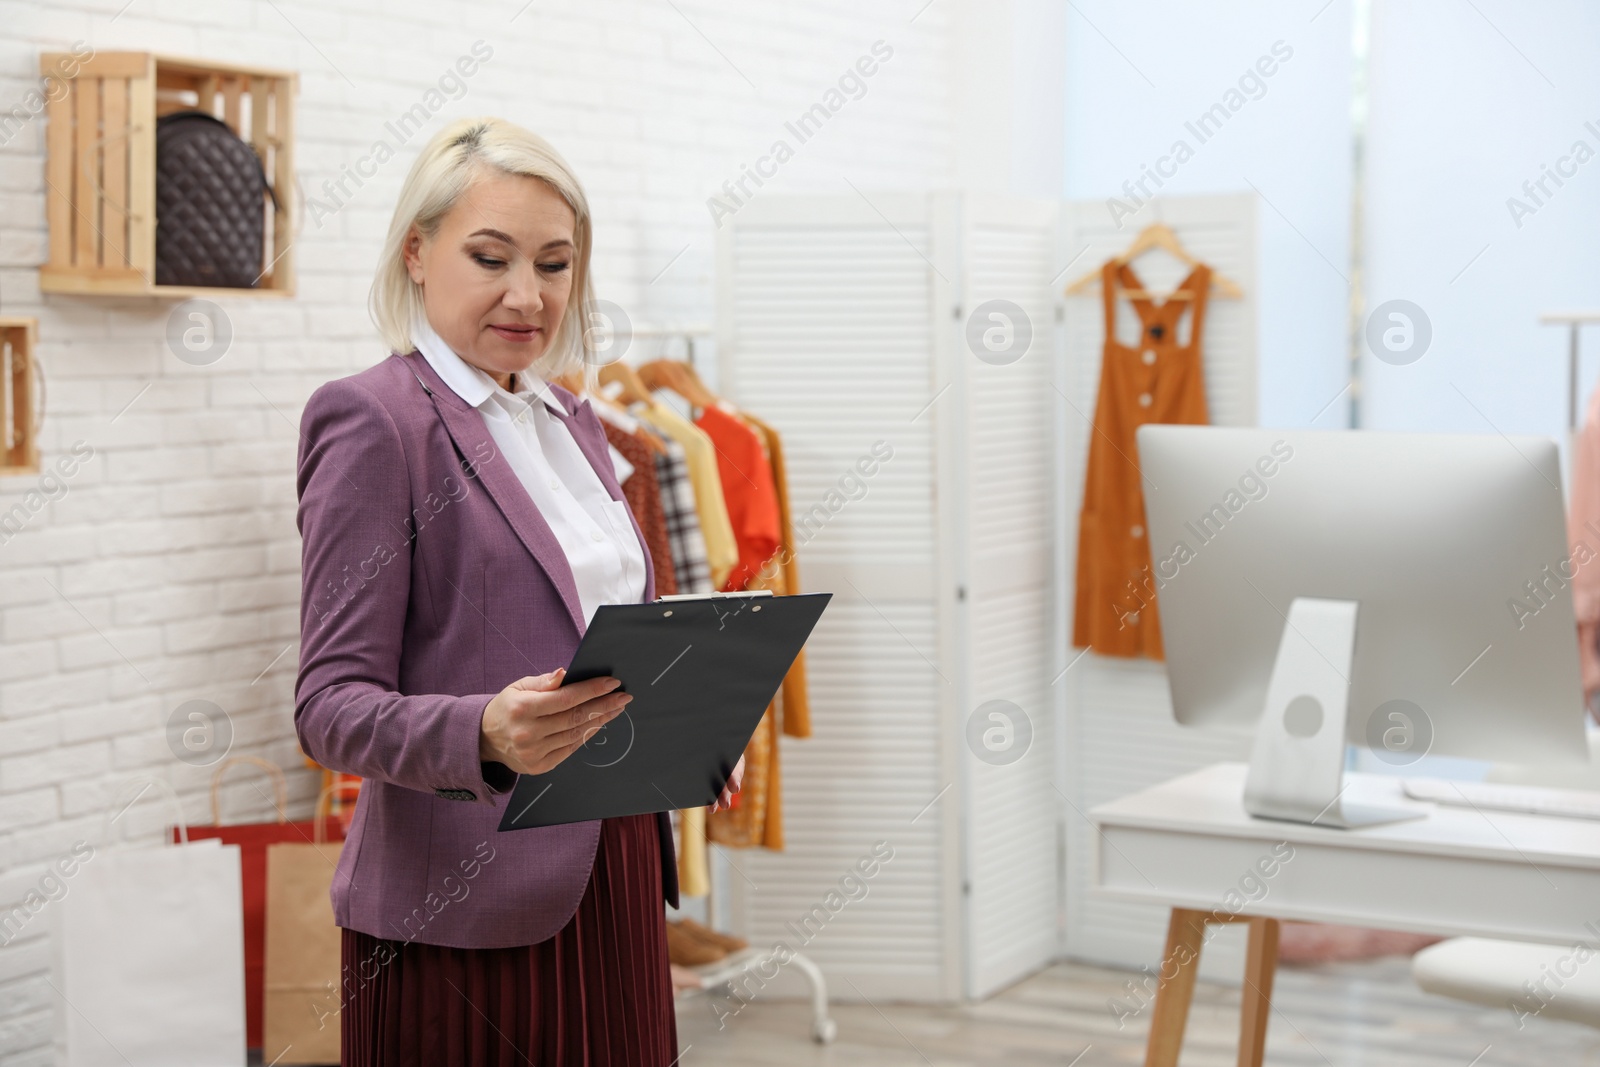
(1180, 964)
(1255, 1003)
(1175, 987)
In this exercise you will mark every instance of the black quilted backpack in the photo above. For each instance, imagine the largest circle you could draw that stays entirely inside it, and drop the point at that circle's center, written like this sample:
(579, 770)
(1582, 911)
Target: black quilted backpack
(210, 190)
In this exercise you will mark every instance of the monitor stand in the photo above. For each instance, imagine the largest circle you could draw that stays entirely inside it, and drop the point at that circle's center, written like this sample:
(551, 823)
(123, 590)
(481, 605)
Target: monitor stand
(1297, 764)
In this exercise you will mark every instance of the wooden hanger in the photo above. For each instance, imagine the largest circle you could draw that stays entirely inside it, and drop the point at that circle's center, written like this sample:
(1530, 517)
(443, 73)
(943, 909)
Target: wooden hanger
(645, 432)
(573, 383)
(633, 390)
(630, 391)
(681, 378)
(1157, 235)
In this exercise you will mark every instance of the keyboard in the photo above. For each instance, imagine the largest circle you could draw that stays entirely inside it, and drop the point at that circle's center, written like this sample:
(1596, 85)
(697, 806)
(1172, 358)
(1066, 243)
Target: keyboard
(1497, 796)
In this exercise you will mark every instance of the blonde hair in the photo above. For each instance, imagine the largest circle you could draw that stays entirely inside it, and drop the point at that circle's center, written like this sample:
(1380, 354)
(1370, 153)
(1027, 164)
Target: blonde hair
(445, 170)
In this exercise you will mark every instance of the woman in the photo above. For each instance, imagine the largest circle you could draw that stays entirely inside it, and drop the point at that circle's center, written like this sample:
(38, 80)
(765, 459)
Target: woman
(462, 520)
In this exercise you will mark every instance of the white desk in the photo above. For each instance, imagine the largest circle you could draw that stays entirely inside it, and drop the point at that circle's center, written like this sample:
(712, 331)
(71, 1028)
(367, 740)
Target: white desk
(1189, 845)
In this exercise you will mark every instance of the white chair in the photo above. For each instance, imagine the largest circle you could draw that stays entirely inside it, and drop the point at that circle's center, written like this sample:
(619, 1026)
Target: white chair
(1547, 981)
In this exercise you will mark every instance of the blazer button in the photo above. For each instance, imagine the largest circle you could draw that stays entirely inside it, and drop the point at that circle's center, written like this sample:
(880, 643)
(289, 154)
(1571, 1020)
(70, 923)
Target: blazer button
(456, 794)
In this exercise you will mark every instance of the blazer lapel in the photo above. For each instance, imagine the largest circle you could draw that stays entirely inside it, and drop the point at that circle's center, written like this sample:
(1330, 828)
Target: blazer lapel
(598, 451)
(466, 428)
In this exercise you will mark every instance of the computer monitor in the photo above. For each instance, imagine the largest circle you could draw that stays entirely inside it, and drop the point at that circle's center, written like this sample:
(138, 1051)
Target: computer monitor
(1423, 580)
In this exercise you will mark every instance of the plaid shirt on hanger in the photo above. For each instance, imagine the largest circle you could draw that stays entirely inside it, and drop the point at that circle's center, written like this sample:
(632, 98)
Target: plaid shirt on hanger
(683, 521)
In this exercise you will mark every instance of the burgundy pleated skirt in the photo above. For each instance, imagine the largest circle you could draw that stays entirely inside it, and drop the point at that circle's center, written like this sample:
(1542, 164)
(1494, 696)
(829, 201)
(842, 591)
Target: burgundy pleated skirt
(597, 994)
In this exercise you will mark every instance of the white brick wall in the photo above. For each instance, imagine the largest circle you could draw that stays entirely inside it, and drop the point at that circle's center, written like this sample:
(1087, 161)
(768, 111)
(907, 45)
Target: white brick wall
(169, 569)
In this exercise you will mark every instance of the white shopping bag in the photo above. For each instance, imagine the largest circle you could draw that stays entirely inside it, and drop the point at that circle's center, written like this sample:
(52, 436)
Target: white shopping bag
(149, 953)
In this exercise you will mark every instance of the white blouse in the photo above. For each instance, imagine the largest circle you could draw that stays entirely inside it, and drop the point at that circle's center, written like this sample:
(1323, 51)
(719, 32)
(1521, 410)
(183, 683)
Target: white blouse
(594, 530)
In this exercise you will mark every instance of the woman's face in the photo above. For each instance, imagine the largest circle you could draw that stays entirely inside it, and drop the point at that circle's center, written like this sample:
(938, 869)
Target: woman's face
(497, 274)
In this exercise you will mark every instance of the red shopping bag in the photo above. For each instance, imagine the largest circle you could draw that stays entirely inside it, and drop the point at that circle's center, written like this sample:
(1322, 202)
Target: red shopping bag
(253, 839)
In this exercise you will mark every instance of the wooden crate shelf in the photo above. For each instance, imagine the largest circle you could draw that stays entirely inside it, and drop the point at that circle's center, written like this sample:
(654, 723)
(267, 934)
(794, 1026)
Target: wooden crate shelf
(100, 166)
(21, 396)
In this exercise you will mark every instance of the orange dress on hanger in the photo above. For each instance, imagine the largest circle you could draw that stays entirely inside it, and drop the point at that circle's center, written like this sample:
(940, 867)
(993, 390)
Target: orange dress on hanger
(1156, 380)
(750, 488)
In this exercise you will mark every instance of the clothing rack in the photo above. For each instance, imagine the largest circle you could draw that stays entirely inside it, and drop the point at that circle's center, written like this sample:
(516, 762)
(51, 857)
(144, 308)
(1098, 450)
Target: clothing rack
(1574, 321)
(728, 976)
(693, 329)
(724, 978)
(687, 331)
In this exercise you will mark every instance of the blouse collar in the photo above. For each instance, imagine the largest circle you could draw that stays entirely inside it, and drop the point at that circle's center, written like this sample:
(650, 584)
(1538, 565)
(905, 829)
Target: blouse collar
(470, 383)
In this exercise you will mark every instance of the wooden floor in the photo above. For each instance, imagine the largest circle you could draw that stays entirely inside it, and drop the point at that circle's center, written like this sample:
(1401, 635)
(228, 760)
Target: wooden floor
(1339, 1015)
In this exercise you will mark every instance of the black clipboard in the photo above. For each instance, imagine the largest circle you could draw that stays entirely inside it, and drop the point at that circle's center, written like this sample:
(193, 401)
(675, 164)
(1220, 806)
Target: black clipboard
(701, 672)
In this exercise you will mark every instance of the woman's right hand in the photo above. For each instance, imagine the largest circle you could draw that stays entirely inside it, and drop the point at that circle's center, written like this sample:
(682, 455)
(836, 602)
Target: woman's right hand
(534, 723)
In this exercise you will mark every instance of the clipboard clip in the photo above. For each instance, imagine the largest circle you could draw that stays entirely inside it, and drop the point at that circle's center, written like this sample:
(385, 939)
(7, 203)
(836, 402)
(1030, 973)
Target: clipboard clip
(667, 598)
(742, 596)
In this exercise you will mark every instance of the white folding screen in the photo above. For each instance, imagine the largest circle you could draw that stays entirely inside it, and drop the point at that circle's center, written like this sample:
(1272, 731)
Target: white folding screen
(1001, 520)
(842, 320)
(1120, 734)
(872, 323)
(825, 327)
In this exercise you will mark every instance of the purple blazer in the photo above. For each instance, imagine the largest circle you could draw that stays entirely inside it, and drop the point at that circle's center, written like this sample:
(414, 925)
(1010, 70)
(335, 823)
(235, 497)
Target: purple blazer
(429, 583)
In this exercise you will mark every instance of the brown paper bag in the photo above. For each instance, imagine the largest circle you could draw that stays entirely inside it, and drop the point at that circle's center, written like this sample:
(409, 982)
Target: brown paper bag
(300, 1019)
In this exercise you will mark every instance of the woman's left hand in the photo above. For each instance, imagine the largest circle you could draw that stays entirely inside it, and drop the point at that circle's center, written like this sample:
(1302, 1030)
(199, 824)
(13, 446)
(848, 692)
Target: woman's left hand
(735, 780)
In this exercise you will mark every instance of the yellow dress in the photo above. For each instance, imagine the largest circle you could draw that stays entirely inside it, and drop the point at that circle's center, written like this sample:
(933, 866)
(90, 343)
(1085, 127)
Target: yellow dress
(722, 551)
